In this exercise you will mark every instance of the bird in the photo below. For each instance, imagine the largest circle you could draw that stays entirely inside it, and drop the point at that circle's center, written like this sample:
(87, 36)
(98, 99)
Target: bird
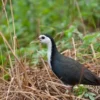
(68, 70)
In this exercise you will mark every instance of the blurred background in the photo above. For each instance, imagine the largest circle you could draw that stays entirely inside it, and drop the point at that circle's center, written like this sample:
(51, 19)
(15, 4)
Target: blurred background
(63, 19)
(75, 26)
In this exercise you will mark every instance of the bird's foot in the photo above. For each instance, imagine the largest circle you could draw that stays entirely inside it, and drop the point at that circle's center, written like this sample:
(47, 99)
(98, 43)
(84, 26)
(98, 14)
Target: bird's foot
(69, 89)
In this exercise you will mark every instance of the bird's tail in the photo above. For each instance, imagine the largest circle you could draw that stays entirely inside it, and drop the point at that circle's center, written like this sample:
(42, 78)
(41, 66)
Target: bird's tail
(98, 81)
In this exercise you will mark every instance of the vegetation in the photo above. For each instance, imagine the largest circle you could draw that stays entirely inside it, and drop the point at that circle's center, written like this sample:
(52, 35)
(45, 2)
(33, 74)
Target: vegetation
(75, 25)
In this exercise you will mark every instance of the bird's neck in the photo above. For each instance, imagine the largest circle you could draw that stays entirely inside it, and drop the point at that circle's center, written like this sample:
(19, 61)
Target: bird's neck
(52, 50)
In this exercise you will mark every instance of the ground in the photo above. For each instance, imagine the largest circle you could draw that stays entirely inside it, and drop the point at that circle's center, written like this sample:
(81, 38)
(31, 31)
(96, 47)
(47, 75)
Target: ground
(39, 83)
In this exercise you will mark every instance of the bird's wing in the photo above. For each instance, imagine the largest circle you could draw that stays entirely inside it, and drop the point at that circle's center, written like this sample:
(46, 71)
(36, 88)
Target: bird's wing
(72, 72)
(69, 71)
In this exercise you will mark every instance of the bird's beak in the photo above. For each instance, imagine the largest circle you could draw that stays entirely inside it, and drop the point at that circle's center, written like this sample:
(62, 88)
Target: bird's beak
(31, 42)
(39, 39)
(36, 41)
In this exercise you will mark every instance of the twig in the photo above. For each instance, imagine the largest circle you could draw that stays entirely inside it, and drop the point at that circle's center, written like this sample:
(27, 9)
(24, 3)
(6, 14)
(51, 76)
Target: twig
(60, 84)
(9, 88)
(38, 27)
(3, 4)
(74, 47)
(12, 72)
(93, 51)
(77, 5)
(14, 38)
(23, 92)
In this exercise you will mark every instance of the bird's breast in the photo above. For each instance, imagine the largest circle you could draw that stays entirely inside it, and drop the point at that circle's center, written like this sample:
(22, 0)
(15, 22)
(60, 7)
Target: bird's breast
(49, 57)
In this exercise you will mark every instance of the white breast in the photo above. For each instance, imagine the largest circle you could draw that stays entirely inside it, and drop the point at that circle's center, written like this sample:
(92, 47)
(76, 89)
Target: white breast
(49, 52)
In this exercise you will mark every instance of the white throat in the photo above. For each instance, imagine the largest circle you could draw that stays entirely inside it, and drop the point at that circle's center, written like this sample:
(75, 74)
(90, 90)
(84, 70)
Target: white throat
(49, 52)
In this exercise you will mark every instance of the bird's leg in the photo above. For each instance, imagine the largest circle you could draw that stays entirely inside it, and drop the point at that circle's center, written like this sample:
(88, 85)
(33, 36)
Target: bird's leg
(69, 89)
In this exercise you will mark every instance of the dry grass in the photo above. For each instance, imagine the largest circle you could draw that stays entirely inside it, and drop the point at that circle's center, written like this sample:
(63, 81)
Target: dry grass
(38, 83)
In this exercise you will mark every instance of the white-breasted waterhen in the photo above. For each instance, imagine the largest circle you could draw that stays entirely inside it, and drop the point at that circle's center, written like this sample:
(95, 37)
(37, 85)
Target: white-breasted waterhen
(70, 71)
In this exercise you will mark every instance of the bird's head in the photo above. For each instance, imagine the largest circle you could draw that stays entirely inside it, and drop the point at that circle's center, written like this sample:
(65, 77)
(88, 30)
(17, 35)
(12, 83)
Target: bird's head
(44, 39)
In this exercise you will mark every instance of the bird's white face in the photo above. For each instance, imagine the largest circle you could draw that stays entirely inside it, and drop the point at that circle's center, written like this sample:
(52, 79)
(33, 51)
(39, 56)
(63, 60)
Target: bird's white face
(44, 39)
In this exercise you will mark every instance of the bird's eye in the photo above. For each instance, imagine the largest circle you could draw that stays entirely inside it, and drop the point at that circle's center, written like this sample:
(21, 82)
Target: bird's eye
(43, 37)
